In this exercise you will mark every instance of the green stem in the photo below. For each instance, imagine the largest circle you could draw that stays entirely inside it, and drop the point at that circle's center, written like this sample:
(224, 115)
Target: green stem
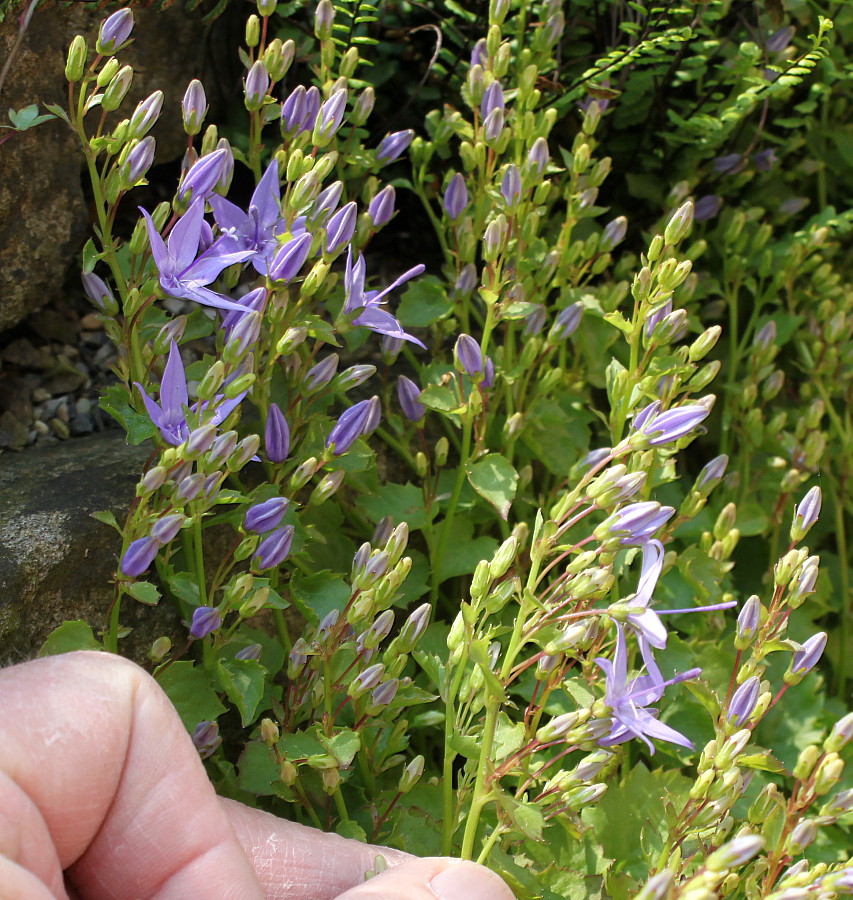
(281, 630)
(198, 560)
(340, 804)
(449, 824)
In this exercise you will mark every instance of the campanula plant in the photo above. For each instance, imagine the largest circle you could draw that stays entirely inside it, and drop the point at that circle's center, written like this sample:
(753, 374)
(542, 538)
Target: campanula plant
(482, 581)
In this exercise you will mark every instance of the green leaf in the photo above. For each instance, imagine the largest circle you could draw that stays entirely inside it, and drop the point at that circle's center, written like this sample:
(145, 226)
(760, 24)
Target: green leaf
(424, 303)
(317, 594)
(144, 592)
(463, 551)
(116, 402)
(465, 745)
(403, 502)
(495, 480)
(243, 682)
(351, 830)
(441, 398)
(257, 769)
(185, 588)
(509, 736)
(525, 817)
(108, 518)
(70, 636)
(27, 117)
(343, 746)
(190, 692)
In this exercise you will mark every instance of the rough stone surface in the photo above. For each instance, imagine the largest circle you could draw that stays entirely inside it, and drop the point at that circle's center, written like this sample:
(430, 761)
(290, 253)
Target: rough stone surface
(56, 561)
(43, 217)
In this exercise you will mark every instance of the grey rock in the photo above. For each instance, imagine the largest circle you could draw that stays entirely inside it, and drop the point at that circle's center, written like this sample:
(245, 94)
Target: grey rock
(56, 561)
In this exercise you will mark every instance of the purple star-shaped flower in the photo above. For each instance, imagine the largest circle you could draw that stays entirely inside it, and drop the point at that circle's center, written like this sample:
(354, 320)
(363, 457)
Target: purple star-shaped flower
(628, 699)
(170, 416)
(366, 304)
(184, 275)
(255, 230)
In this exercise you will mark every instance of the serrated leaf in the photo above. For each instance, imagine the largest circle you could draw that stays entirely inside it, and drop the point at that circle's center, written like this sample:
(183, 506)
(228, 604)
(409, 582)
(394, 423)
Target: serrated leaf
(619, 321)
(68, 637)
(144, 592)
(494, 478)
(243, 682)
(138, 428)
(343, 746)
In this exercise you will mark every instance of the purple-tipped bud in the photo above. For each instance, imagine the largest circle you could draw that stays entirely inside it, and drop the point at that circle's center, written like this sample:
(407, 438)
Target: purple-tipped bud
(390, 347)
(614, 233)
(253, 651)
(138, 162)
(566, 323)
(206, 738)
(139, 556)
(381, 207)
(408, 393)
(748, 620)
(341, 228)
(263, 517)
(367, 680)
(114, 31)
(456, 196)
(537, 157)
(206, 620)
(766, 335)
(806, 658)
(165, 529)
(293, 111)
(414, 627)
(322, 373)
(466, 280)
(145, 115)
(363, 106)
(493, 125)
(354, 376)
(383, 694)
(326, 202)
(227, 171)
(274, 548)
(493, 98)
(707, 207)
(468, 357)
(330, 117)
(202, 176)
(780, 39)
(743, 701)
(478, 53)
(712, 473)
(194, 107)
(352, 424)
(806, 514)
(324, 17)
(256, 86)
(222, 448)
(392, 145)
(488, 374)
(737, 852)
(841, 735)
(378, 631)
(189, 488)
(290, 258)
(99, 293)
(511, 186)
(665, 427)
(634, 523)
(729, 164)
(764, 160)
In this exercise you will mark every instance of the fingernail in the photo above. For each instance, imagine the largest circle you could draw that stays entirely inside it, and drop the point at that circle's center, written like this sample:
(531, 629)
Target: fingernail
(469, 881)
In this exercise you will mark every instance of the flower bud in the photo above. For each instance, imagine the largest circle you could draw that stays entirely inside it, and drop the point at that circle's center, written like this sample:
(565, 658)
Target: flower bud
(205, 620)
(117, 89)
(75, 63)
(324, 17)
(114, 31)
(145, 115)
(411, 775)
(679, 225)
(806, 514)
(381, 207)
(193, 107)
(393, 145)
(748, 621)
(363, 106)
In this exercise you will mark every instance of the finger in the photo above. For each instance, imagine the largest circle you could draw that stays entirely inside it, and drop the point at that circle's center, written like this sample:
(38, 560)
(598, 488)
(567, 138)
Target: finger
(294, 862)
(109, 786)
(437, 878)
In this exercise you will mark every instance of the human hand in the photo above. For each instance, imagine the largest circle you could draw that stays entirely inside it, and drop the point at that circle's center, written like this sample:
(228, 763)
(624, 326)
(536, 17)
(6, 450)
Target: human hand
(103, 797)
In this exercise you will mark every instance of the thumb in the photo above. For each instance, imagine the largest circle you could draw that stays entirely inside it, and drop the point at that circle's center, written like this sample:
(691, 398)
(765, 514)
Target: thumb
(435, 878)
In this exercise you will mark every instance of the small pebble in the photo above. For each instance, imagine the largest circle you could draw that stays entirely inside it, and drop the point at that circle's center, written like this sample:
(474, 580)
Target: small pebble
(81, 425)
(84, 406)
(91, 322)
(41, 427)
(60, 429)
(40, 395)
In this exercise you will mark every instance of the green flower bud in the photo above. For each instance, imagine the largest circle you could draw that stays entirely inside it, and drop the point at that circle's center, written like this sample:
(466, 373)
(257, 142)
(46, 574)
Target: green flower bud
(442, 448)
(76, 60)
(159, 649)
(253, 31)
(314, 279)
(269, 732)
(679, 225)
(117, 89)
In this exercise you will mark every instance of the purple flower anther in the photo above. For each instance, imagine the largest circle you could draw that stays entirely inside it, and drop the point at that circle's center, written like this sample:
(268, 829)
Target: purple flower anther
(256, 86)
(138, 162)
(202, 176)
(393, 145)
(114, 31)
(194, 107)
(537, 157)
(276, 435)
(263, 517)
(322, 373)
(206, 738)
(469, 358)
(330, 117)
(566, 323)
(806, 658)
(493, 125)
(206, 620)
(341, 228)
(743, 701)
(408, 393)
(252, 651)
(635, 523)
(455, 196)
(145, 115)
(367, 304)
(665, 427)
(139, 556)
(274, 548)
(511, 186)
(381, 207)
(493, 98)
(290, 258)
(165, 529)
(352, 424)
(707, 207)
